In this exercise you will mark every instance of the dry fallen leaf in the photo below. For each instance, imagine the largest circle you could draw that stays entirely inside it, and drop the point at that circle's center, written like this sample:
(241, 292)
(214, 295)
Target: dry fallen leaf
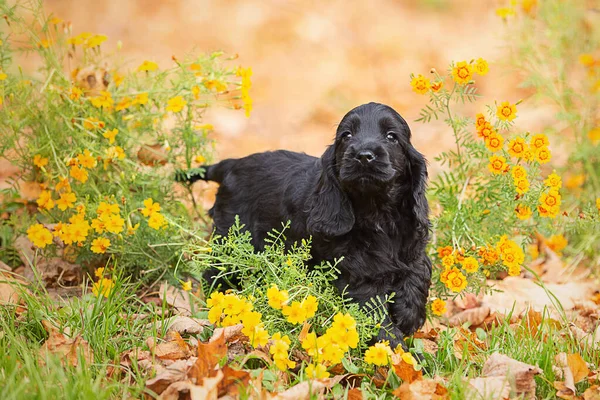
(166, 376)
(174, 348)
(355, 394)
(177, 298)
(208, 390)
(305, 390)
(490, 388)
(592, 393)
(404, 370)
(424, 389)
(68, 349)
(9, 289)
(519, 374)
(574, 370)
(230, 333)
(474, 316)
(152, 155)
(232, 380)
(209, 355)
(183, 325)
(465, 339)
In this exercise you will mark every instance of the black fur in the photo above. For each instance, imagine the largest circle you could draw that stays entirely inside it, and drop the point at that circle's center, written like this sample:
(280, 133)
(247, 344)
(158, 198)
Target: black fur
(372, 212)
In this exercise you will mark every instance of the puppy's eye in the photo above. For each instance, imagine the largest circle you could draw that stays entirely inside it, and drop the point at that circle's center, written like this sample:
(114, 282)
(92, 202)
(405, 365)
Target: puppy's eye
(346, 135)
(391, 137)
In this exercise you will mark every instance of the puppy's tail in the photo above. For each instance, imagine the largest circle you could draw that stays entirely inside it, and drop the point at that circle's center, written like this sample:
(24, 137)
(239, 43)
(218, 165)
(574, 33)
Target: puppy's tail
(214, 173)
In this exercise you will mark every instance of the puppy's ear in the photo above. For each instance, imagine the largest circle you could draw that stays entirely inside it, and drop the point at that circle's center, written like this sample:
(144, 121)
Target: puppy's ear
(329, 209)
(418, 176)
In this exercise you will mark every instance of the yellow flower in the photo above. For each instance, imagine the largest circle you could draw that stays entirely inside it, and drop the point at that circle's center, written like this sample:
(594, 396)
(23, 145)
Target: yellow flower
(157, 221)
(78, 173)
(199, 159)
(39, 235)
(523, 212)
(277, 298)
(150, 207)
(594, 135)
(204, 127)
(448, 261)
(497, 165)
(378, 354)
(95, 40)
(486, 130)
(528, 6)
(586, 59)
(420, 84)
(75, 93)
(141, 99)
(598, 204)
(543, 155)
(517, 147)
(86, 160)
(187, 285)
(310, 344)
(318, 371)
(124, 104)
(470, 264)
(260, 337)
(438, 307)
(540, 141)
(118, 79)
(99, 273)
(479, 121)
(3, 76)
(521, 185)
(215, 84)
(104, 100)
(103, 287)
(66, 201)
(506, 111)
(518, 172)
(40, 161)
(131, 229)
(216, 300)
(494, 142)
(148, 66)
(344, 321)
(505, 12)
(105, 209)
(113, 223)
(100, 245)
(553, 181)
(45, 200)
(462, 73)
(557, 243)
(445, 251)
(196, 92)
(110, 135)
(437, 86)
(456, 281)
(92, 123)
(176, 104)
(310, 306)
(489, 255)
(514, 270)
(481, 67)
(575, 181)
(45, 43)
(295, 314)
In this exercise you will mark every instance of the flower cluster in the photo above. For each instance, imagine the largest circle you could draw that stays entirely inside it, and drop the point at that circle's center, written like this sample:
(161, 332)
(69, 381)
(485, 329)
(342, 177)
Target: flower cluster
(152, 210)
(298, 311)
(245, 74)
(104, 286)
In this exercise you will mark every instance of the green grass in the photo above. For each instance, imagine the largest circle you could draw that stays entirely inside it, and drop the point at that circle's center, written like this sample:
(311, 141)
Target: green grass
(110, 328)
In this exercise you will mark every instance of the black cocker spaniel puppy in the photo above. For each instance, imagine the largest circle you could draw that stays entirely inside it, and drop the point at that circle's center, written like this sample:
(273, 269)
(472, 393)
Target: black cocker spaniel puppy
(363, 200)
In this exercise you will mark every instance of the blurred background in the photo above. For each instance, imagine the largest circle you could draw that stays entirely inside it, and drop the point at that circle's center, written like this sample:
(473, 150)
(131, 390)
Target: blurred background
(312, 60)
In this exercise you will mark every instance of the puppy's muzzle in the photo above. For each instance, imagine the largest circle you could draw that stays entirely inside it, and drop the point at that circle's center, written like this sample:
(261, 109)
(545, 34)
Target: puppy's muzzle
(365, 156)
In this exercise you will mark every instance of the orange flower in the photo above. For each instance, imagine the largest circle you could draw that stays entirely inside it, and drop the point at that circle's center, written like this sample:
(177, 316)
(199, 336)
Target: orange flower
(444, 251)
(497, 165)
(523, 212)
(517, 147)
(462, 73)
(542, 155)
(486, 130)
(506, 111)
(494, 142)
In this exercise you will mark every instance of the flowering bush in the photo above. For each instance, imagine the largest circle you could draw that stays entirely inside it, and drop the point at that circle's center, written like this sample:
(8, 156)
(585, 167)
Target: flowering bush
(101, 142)
(496, 192)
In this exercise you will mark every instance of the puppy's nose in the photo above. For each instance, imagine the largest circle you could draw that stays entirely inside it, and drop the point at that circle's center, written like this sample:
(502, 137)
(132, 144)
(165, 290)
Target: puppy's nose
(365, 156)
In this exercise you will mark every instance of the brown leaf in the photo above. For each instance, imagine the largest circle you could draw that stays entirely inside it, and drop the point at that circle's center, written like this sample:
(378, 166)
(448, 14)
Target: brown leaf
(230, 333)
(404, 370)
(305, 328)
(431, 334)
(232, 380)
(209, 355)
(469, 340)
(355, 394)
(564, 390)
(184, 325)
(474, 316)
(68, 349)
(586, 339)
(152, 155)
(425, 389)
(574, 370)
(208, 390)
(177, 298)
(519, 374)
(466, 301)
(592, 393)
(174, 348)
(9, 289)
(531, 321)
(173, 373)
(493, 387)
(306, 389)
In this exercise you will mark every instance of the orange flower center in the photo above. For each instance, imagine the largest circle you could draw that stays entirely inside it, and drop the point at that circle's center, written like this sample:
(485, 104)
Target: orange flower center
(506, 111)
(517, 147)
(456, 282)
(497, 164)
(551, 201)
(463, 72)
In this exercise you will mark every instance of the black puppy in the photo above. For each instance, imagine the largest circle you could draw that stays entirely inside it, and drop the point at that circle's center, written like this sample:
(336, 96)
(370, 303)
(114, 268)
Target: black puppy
(364, 199)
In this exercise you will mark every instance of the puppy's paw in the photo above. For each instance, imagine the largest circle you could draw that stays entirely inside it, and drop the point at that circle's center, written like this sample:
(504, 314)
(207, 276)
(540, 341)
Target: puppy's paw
(393, 335)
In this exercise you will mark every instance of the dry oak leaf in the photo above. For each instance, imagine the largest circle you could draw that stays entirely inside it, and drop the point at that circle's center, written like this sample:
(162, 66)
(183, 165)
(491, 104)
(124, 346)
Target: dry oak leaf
(209, 355)
(174, 348)
(230, 333)
(465, 340)
(519, 374)
(489, 388)
(232, 380)
(68, 349)
(592, 393)
(574, 370)
(404, 370)
(166, 376)
(423, 389)
(586, 339)
(355, 394)
(186, 390)
(474, 316)
(177, 298)
(308, 389)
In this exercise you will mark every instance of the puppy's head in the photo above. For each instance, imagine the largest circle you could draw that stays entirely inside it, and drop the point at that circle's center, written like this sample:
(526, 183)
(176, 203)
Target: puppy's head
(372, 147)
